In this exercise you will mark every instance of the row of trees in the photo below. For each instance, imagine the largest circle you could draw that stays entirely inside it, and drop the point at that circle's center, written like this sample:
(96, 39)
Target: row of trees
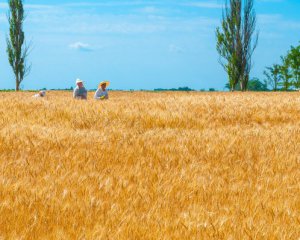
(237, 40)
(17, 49)
(286, 75)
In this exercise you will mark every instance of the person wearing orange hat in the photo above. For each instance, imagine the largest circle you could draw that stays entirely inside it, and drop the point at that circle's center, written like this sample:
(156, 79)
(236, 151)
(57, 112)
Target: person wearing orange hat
(102, 93)
(80, 92)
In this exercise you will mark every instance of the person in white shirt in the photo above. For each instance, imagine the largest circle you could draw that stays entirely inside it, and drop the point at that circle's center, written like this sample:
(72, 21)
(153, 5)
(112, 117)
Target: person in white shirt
(102, 93)
(41, 94)
(80, 92)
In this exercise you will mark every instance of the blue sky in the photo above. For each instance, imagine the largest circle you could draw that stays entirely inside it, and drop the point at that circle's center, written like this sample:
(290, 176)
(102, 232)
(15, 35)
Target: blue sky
(139, 44)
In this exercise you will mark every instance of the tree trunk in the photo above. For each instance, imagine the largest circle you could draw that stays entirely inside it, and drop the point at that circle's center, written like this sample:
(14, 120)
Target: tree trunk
(17, 84)
(243, 88)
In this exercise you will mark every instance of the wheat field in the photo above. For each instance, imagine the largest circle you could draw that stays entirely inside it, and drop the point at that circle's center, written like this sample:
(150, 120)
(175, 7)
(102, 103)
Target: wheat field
(150, 166)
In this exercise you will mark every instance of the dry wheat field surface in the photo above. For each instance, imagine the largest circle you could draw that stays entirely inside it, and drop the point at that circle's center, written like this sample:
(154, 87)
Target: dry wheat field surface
(150, 166)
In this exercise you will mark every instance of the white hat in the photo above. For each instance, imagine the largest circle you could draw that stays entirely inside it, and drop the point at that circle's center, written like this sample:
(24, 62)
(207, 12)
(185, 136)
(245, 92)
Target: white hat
(78, 81)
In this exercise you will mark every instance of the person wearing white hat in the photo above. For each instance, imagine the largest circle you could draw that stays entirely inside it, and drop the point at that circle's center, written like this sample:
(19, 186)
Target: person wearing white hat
(41, 94)
(102, 93)
(80, 92)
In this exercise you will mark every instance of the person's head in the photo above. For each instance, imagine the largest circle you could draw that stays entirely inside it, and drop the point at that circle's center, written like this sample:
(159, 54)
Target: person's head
(79, 83)
(103, 86)
(42, 93)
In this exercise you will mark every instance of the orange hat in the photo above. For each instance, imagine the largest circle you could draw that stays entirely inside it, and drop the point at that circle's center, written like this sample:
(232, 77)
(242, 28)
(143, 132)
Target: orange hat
(104, 82)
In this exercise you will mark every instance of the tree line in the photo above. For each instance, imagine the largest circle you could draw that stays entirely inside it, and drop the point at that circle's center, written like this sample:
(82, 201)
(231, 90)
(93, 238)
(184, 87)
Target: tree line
(237, 40)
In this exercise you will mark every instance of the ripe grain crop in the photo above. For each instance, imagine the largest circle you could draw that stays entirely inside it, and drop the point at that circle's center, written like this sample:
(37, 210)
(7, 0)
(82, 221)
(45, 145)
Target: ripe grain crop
(150, 166)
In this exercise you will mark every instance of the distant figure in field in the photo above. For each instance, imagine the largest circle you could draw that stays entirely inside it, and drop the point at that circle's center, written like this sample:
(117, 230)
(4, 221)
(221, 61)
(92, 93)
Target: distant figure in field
(102, 93)
(41, 94)
(80, 92)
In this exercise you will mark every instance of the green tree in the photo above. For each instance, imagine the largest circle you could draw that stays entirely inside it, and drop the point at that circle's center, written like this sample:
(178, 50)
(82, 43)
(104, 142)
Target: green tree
(253, 85)
(256, 85)
(236, 41)
(293, 59)
(273, 76)
(285, 74)
(16, 47)
(237, 87)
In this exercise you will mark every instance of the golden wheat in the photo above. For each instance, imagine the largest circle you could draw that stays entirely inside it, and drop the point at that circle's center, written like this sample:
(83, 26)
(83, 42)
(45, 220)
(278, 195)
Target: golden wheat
(150, 166)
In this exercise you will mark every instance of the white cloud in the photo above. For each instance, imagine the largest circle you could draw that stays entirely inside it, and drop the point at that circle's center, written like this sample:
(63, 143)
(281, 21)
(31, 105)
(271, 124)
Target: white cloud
(269, 18)
(149, 10)
(143, 17)
(175, 49)
(277, 20)
(104, 4)
(81, 46)
(4, 5)
(271, 1)
(61, 21)
(208, 4)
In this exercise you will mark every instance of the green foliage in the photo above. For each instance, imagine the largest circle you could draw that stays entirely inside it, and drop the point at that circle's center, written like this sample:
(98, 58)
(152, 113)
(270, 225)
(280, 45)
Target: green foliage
(256, 85)
(13, 90)
(293, 61)
(285, 76)
(273, 76)
(7, 90)
(236, 88)
(253, 85)
(16, 48)
(180, 89)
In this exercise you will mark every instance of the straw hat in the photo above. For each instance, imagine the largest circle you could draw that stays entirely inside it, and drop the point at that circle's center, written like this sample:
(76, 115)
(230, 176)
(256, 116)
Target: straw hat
(78, 81)
(104, 82)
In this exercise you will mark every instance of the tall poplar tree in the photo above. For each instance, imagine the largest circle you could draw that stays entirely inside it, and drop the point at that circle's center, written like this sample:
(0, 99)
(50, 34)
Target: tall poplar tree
(237, 40)
(17, 49)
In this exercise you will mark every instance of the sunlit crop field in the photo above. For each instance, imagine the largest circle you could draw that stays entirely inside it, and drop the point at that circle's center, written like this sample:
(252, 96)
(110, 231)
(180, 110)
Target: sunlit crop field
(150, 166)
